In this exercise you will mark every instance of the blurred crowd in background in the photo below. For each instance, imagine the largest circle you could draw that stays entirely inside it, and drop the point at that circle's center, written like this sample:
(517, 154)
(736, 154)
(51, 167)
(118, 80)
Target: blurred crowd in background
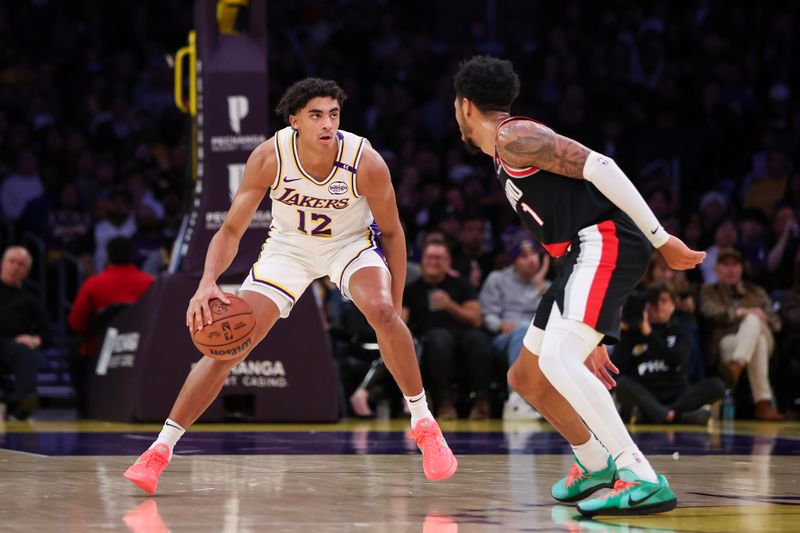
(699, 102)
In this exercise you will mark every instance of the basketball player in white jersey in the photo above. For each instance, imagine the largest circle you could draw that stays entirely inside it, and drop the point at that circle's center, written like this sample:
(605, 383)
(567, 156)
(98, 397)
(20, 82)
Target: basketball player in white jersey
(330, 193)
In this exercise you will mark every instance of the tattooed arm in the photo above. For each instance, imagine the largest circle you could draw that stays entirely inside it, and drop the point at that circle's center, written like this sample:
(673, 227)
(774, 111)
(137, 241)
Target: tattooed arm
(524, 143)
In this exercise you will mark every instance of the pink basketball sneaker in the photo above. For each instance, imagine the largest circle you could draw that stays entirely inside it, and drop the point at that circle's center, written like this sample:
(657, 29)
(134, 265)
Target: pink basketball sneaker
(148, 467)
(438, 461)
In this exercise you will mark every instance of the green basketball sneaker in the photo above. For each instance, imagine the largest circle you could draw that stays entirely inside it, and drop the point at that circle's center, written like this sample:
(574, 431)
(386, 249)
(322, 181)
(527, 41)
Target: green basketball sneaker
(632, 495)
(579, 483)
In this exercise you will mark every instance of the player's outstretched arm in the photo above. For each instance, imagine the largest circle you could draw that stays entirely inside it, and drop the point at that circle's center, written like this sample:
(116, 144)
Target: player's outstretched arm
(375, 184)
(524, 144)
(259, 174)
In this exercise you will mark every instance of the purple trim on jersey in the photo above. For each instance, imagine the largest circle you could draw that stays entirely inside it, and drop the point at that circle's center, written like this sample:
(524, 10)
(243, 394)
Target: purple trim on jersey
(339, 135)
(268, 284)
(374, 244)
(345, 166)
(376, 232)
(379, 251)
(280, 164)
(299, 166)
(355, 170)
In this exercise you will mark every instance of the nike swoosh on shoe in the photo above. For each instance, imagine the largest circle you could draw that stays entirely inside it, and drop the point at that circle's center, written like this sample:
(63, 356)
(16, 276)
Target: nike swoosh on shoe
(633, 502)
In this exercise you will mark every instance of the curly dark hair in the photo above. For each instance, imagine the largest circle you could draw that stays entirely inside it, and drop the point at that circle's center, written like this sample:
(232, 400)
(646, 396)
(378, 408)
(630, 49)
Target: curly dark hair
(300, 92)
(489, 83)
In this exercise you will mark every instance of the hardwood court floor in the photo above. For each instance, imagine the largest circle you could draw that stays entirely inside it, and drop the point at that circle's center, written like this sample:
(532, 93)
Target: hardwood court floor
(64, 476)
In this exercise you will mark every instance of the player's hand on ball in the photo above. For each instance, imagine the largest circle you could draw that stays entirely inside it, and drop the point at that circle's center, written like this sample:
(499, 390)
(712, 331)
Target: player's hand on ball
(198, 313)
(679, 256)
(228, 336)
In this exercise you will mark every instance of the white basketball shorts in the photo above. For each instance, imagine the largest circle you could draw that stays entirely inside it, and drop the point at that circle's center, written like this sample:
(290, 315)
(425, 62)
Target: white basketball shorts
(288, 264)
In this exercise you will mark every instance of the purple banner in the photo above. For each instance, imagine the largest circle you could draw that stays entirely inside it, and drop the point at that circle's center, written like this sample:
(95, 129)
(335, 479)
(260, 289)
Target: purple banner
(147, 353)
(232, 119)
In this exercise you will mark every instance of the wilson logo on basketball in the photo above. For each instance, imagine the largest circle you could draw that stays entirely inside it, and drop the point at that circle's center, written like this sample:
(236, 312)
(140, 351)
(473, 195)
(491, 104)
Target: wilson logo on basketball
(233, 350)
(338, 187)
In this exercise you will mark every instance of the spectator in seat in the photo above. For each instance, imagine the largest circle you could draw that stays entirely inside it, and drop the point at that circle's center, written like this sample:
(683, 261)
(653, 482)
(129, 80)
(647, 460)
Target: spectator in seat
(781, 258)
(469, 257)
(765, 192)
(658, 272)
(725, 236)
(69, 226)
(654, 347)
(744, 322)
(443, 312)
(713, 210)
(122, 282)
(118, 222)
(509, 299)
(790, 345)
(149, 244)
(753, 236)
(23, 328)
(18, 189)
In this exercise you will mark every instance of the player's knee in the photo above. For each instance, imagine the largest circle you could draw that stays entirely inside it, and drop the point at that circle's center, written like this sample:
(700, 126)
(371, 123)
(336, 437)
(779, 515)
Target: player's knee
(519, 379)
(552, 355)
(380, 314)
(549, 366)
(529, 382)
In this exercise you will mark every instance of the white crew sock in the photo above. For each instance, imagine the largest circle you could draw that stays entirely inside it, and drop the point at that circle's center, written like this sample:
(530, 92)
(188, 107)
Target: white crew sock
(635, 461)
(418, 407)
(592, 454)
(564, 350)
(170, 434)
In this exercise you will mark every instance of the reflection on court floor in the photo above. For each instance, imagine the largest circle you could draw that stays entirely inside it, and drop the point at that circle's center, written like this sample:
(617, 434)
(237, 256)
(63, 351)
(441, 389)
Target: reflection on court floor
(357, 476)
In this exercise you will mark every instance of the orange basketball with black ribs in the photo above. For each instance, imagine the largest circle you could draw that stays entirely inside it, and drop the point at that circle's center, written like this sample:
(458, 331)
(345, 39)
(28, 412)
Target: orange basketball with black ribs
(230, 333)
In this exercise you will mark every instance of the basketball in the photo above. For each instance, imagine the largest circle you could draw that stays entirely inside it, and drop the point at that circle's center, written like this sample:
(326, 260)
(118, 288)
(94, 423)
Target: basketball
(231, 331)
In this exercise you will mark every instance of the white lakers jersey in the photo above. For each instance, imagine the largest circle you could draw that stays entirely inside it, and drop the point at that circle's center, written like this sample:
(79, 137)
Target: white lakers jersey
(327, 209)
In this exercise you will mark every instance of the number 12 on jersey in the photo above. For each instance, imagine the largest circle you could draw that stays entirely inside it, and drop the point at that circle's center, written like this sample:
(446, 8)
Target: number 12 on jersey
(322, 221)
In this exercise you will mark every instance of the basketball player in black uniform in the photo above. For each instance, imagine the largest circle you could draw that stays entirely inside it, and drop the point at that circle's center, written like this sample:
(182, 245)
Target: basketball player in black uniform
(582, 207)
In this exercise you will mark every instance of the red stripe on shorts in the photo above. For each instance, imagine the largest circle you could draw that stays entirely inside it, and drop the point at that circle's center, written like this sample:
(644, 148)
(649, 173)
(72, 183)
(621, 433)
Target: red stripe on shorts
(602, 276)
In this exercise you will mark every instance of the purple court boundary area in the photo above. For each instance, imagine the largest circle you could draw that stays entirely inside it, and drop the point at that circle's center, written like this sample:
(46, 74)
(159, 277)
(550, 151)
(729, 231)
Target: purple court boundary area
(381, 443)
